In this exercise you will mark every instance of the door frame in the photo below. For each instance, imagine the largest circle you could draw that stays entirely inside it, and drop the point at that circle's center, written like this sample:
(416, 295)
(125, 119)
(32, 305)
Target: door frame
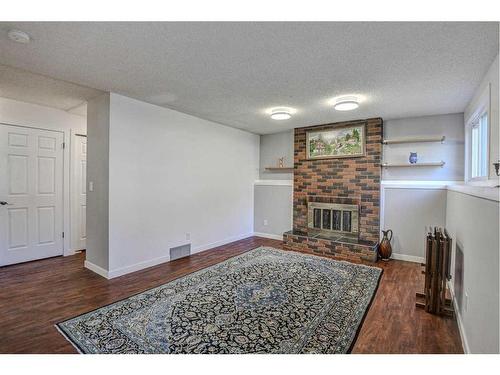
(66, 182)
(72, 193)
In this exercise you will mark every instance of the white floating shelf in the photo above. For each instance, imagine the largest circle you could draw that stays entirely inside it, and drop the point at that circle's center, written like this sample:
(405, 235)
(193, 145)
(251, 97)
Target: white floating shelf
(428, 164)
(439, 138)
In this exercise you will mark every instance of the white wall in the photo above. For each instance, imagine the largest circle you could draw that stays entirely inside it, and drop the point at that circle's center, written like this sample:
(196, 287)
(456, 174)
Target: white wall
(273, 147)
(14, 112)
(472, 218)
(171, 174)
(409, 210)
(273, 208)
(274, 191)
(419, 192)
(97, 254)
(488, 91)
(451, 151)
(473, 222)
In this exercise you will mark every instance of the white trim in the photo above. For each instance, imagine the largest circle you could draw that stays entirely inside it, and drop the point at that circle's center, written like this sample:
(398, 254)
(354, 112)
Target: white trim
(273, 183)
(73, 191)
(482, 105)
(95, 268)
(408, 258)
(381, 218)
(420, 182)
(209, 246)
(66, 194)
(407, 184)
(484, 192)
(137, 266)
(492, 182)
(461, 328)
(269, 235)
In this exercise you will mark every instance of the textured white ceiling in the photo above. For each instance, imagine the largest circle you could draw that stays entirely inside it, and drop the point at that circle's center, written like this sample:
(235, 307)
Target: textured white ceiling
(232, 72)
(38, 89)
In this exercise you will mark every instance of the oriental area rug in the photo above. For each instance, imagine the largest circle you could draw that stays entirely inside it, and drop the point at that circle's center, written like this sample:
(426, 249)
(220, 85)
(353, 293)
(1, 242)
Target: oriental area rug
(263, 301)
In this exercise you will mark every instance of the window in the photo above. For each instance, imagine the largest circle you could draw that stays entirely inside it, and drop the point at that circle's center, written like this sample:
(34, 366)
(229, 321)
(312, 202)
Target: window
(479, 147)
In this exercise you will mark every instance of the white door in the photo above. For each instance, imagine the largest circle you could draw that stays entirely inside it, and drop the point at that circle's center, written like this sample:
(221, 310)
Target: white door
(79, 192)
(31, 194)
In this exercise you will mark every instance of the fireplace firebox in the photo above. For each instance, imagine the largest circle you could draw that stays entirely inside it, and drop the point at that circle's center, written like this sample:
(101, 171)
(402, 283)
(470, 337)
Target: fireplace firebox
(330, 218)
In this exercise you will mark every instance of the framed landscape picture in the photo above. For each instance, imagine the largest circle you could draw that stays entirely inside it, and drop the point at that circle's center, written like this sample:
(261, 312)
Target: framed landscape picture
(342, 142)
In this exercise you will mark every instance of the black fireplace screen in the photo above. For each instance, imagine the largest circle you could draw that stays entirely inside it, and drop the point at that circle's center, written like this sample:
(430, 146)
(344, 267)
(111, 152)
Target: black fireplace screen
(333, 217)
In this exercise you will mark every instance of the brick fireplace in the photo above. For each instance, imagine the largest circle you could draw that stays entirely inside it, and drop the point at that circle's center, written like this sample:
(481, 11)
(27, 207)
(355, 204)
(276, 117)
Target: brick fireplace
(337, 190)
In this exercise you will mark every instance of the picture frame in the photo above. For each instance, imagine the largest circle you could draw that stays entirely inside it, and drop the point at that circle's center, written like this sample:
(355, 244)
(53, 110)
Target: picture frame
(346, 141)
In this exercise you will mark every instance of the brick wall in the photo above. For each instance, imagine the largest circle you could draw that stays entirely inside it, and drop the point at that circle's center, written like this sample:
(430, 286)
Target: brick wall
(346, 180)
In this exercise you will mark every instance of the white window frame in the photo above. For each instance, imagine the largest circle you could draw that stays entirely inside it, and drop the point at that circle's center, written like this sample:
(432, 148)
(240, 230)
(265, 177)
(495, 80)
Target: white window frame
(474, 119)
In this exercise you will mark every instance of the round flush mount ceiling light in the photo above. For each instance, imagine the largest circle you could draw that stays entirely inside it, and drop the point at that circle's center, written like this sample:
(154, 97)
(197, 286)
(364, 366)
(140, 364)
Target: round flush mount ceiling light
(19, 36)
(346, 103)
(281, 113)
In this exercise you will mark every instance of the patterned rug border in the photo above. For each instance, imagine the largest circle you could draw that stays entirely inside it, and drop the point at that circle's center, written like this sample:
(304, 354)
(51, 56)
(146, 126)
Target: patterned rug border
(360, 323)
(73, 344)
(362, 320)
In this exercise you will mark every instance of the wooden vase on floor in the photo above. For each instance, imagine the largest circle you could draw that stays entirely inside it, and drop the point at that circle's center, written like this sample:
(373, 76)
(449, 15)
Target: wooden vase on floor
(385, 248)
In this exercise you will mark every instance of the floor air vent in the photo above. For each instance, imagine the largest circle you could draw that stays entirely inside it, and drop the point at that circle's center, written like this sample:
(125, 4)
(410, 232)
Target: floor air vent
(180, 251)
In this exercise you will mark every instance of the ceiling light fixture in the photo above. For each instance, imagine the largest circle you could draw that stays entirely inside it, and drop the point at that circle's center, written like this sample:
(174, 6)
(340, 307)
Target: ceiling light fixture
(346, 103)
(281, 114)
(19, 36)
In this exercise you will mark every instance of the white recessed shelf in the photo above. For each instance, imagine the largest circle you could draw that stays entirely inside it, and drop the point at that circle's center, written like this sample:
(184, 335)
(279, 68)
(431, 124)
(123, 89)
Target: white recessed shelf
(439, 138)
(426, 164)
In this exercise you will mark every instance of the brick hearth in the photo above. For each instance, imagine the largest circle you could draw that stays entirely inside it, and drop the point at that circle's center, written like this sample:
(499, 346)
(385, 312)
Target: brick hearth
(337, 248)
(353, 180)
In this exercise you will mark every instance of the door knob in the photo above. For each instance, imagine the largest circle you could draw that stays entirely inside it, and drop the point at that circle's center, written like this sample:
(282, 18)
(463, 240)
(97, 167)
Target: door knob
(3, 203)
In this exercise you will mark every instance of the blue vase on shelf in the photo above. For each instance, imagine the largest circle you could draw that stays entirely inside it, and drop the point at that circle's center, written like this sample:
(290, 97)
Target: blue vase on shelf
(413, 158)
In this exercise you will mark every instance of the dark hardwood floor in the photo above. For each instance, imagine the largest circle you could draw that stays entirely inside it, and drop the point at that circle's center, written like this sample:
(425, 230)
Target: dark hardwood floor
(36, 295)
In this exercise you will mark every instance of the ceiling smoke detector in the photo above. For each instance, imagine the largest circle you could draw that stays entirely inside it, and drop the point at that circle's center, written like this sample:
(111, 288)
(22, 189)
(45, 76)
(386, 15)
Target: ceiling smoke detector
(346, 103)
(19, 36)
(281, 114)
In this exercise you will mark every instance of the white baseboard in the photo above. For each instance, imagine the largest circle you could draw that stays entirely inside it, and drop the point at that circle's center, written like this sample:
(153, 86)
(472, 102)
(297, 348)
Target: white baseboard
(408, 258)
(154, 262)
(95, 268)
(138, 266)
(269, 235)
(209, 246)
(461, 328)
